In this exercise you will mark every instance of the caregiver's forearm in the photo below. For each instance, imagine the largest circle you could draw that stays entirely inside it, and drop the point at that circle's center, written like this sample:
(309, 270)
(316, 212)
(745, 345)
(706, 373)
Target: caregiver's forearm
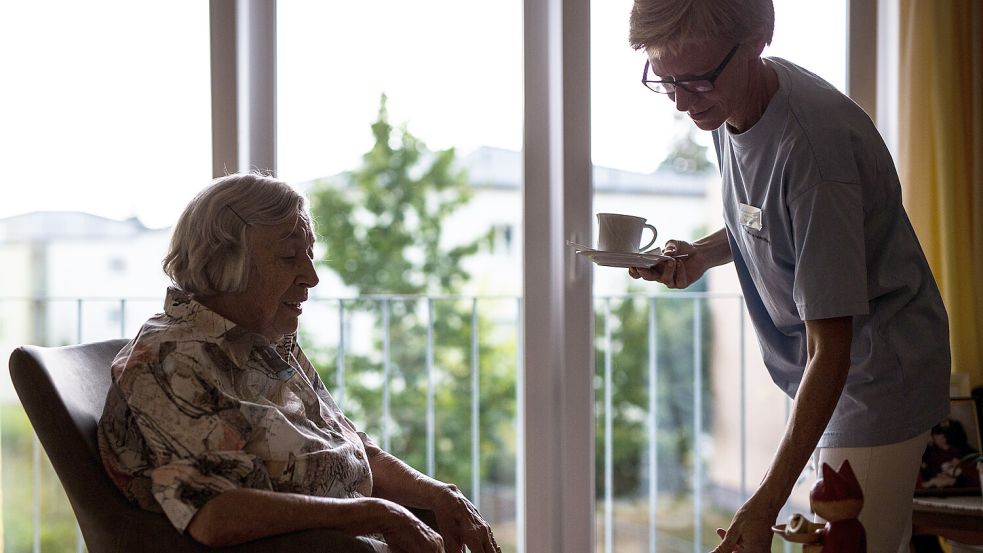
(715, 248)
(829, 342)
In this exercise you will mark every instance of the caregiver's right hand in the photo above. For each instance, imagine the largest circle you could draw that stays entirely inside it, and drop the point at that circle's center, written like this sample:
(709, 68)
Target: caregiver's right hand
(674, 273)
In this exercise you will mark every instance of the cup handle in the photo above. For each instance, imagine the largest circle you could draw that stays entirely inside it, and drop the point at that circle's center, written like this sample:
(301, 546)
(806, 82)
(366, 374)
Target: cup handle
(655, 234)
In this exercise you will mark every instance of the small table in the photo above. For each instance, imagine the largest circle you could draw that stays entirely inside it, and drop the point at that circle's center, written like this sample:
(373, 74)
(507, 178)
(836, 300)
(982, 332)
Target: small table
(959, 519)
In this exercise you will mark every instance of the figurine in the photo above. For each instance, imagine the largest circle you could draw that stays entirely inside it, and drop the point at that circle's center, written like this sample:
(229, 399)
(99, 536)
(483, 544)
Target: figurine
(836, 497)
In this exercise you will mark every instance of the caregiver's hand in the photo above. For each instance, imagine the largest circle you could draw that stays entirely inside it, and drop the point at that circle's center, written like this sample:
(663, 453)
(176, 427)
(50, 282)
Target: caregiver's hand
(750, 530)
(675, 273)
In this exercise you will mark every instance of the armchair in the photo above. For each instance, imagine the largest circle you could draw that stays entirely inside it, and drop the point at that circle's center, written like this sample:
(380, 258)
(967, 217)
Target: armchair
(63, 391)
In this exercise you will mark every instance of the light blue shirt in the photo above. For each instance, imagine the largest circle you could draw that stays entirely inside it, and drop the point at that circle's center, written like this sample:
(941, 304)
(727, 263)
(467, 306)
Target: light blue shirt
(812, 207)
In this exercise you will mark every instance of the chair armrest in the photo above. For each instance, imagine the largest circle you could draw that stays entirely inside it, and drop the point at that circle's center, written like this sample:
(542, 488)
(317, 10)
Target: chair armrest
(318, 540)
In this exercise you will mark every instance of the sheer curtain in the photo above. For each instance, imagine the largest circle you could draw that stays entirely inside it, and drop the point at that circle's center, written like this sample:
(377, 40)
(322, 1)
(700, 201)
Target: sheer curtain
(941, 158)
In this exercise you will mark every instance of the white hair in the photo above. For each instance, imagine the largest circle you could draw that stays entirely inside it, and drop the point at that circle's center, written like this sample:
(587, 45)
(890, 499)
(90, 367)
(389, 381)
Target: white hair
(664, 26)
(209, 253)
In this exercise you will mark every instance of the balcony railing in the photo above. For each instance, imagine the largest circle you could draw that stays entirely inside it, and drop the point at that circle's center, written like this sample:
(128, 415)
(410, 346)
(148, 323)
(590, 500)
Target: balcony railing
(406, 352)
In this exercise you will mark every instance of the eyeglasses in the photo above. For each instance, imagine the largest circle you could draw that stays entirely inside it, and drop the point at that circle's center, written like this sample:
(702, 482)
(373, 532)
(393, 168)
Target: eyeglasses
(696, 85)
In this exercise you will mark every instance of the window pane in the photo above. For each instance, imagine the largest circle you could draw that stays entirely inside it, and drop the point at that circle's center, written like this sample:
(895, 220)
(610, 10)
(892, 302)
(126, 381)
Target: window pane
(813, 35)
(105, 135)
(431, 218)
(107, 107)
(451, 70)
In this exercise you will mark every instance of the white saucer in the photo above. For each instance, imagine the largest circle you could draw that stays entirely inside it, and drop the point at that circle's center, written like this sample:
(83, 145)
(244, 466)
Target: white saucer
(647, 258)
(624, 260)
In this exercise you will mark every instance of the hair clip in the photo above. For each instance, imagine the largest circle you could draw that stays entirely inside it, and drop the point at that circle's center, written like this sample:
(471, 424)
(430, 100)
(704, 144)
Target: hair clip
(237, 215)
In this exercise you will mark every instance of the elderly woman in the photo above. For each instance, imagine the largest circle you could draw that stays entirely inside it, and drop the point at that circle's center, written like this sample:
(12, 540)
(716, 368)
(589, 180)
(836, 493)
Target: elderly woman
(217, 418)
(849, 318)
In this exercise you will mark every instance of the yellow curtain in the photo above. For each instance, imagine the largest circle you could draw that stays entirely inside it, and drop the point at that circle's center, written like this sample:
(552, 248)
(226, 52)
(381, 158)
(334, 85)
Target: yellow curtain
(941, 158)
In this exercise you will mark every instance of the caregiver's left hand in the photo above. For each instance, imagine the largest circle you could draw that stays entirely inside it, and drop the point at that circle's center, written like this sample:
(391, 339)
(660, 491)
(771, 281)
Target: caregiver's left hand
(750, 530)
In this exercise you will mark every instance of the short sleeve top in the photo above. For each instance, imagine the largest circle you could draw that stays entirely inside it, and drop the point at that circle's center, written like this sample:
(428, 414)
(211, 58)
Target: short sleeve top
(812, 207)
(199, 406)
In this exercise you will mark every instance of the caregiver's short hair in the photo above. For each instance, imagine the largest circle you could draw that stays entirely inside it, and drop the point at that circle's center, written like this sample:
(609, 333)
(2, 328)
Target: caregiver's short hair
(209, 252)
(664, 26)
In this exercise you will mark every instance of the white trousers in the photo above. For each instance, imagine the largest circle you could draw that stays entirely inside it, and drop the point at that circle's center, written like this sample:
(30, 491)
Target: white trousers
(887, 476)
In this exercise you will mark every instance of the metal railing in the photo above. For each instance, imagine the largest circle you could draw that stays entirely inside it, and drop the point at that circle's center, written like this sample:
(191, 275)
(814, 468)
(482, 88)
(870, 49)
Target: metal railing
(382, 317)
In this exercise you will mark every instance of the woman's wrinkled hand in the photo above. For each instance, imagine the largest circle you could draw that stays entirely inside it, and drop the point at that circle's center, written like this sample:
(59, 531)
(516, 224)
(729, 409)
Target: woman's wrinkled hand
(675, 273)
(750, 530)
(460, 523)
(404, 533)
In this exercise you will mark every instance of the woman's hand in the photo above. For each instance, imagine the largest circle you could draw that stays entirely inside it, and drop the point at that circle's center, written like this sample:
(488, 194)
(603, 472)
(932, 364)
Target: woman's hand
(750, 530)
(675, 273)
(405, 533)
(457, 520)
(460, 524)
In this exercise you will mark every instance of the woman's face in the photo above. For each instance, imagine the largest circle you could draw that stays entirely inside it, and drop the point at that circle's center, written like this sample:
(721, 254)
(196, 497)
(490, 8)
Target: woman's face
(282, 271)
(709, 110)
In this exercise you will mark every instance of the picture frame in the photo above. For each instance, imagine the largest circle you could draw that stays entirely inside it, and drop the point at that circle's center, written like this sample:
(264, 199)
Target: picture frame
(945, 470)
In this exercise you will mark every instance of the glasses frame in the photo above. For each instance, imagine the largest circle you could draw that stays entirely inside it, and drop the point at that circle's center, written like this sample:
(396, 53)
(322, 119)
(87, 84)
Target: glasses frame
(670, 84)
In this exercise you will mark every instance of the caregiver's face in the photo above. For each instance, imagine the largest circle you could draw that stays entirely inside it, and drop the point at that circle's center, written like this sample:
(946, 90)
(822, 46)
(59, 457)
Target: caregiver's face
(709, 110)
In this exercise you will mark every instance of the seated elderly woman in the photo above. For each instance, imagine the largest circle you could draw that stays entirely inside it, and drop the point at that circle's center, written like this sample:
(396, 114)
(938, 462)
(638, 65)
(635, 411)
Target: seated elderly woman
(217, 418)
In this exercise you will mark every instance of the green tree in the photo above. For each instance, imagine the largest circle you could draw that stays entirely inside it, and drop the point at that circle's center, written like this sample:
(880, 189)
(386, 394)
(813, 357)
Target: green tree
(382, 225)
(674, 390)
(382, 222)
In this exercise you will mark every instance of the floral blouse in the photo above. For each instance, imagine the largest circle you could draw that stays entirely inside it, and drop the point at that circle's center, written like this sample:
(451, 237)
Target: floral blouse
(198, 406)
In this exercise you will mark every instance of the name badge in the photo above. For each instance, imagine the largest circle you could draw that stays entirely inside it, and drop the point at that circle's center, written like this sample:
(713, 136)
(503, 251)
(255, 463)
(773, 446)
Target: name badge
(750, 216)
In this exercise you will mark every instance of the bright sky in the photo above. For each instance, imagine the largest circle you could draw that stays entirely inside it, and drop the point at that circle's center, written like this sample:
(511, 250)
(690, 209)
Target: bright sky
(105, 104)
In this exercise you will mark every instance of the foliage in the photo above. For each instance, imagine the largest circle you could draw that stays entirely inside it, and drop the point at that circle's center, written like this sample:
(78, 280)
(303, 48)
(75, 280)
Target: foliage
(630, 390)
(687, 155)
(382, 227)
(57, 532)
(382, 222)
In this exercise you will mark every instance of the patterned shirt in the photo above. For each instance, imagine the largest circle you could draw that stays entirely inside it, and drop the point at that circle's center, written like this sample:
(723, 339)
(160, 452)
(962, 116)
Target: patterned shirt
(199, 405)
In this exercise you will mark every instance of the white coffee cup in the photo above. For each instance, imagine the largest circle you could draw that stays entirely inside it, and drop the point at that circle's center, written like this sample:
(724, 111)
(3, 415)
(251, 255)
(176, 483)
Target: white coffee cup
(622, 233)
